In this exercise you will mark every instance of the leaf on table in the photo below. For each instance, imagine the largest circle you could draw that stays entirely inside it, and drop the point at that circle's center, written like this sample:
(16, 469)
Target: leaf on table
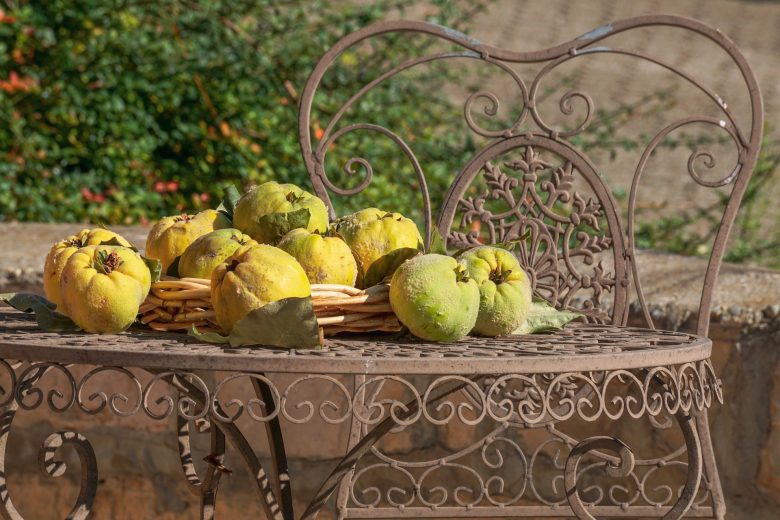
(229, 201)
(287, 323)
(543, 317)
(208, 337)
(281, 223)
(48, 319)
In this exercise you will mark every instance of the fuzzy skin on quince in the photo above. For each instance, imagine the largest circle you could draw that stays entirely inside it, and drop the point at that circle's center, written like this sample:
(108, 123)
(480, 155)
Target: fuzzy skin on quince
(325, 259)
(504, 289)
(171, 236)
(254, 276)
(62, 250)
(380, 241)
(433, 296)
(272, 197)
(102, 287)
(203, 256)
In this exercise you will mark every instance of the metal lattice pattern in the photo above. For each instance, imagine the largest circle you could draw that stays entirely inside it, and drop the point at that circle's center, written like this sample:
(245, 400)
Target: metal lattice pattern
(579, 347)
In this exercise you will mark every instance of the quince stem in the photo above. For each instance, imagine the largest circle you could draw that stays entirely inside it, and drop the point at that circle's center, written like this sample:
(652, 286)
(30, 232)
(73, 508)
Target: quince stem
(498, 277)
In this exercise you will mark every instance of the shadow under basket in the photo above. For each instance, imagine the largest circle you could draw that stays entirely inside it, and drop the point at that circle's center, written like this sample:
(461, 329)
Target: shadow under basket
(177, 304)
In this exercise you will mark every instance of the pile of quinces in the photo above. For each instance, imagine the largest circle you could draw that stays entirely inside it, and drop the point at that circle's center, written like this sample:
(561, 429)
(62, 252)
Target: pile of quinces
(271, 244)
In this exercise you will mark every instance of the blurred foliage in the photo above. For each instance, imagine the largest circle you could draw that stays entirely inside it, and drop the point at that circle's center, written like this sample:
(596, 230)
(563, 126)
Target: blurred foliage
(120, 111)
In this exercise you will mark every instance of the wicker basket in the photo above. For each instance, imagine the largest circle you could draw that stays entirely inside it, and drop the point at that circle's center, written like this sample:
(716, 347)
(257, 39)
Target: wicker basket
(177, 304)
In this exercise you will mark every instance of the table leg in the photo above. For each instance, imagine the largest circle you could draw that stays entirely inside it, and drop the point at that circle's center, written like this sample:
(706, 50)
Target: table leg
(626, 465)
(347, 463)
(236, 438)
(273, 432)
(51, 466)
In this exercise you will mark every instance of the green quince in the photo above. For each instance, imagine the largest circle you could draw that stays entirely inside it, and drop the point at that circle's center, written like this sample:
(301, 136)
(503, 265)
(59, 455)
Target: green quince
(102, 287)
(202, 256)
(433, 296)
(171, 236)
(325, 259)
(380, 242)
(269, 211)
(255, 275)
(62, 250)
(504, 290)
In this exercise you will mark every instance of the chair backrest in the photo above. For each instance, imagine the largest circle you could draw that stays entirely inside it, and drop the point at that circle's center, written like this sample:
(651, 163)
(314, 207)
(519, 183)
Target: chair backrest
(529, 177)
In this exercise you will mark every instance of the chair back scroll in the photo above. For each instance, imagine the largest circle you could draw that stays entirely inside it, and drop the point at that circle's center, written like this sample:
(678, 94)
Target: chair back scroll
(529, 177)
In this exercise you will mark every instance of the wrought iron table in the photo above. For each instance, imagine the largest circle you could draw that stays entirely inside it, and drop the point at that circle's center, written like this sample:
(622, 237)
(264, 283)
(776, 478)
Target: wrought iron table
(527, 176)
(585, 372)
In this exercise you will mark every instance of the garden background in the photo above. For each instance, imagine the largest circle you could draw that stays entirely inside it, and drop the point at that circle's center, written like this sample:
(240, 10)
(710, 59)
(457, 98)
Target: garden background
(120, 112)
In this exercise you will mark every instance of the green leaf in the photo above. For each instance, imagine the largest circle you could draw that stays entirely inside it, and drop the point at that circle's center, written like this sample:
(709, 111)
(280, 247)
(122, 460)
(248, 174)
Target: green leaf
(510, 245)
(48, 319)
(386, 265)
(543, 317)
(155, 267)
(114, 241)
(173, 269)
(437, 245)
(208, 337)
(228, 205)
(287, 323)
(279, 224)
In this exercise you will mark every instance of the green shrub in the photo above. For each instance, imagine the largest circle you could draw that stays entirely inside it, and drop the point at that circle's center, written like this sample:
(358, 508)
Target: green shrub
(122, 111)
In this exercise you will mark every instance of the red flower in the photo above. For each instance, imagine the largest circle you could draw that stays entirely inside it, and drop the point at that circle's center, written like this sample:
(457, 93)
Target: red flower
(172, 185)
(159, 187)
(205, 197)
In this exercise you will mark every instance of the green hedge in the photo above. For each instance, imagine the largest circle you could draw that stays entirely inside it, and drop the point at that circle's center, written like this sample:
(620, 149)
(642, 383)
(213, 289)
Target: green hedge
(123, 111)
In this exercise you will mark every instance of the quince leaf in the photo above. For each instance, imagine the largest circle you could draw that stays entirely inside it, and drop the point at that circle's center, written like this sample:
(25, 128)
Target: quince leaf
(48, 319)
(544, 317)
(155, 268)
(279, 224)
(115, 242)
(437, 245)
(287, 323)
(208, 337)
(510, 245)
(173, 269)
(228, 204)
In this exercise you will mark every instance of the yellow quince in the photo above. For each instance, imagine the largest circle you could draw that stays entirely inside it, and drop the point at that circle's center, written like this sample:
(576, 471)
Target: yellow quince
(325, 259)
(255, 275)
(102, 287)
(171, 236)
(62, 250)
(210, 250)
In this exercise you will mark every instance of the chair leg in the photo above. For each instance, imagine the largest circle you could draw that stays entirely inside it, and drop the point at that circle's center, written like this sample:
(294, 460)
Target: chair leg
(710, 466)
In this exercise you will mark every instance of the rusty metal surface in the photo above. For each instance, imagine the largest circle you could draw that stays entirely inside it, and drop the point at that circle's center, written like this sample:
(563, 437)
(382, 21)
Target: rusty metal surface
(580, 347)
(580, 256)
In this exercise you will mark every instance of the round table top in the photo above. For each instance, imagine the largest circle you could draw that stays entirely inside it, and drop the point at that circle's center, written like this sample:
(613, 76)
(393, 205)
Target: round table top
(578, 347)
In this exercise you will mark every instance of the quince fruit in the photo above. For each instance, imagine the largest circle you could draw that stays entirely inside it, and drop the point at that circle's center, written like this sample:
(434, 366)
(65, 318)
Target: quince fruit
(433, 296)
(62, 250)
(255, 275)
(380, 242)
(102, 287)
(268, 211)
(325, 259)
(171, 236)
(504, 290)
(202, 256)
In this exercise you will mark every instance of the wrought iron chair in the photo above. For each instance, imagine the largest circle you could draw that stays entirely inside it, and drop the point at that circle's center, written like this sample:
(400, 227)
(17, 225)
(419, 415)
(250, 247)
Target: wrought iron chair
(530, 177)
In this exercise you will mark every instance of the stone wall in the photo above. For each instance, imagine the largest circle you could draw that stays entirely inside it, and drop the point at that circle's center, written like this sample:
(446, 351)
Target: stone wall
(140, 475)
